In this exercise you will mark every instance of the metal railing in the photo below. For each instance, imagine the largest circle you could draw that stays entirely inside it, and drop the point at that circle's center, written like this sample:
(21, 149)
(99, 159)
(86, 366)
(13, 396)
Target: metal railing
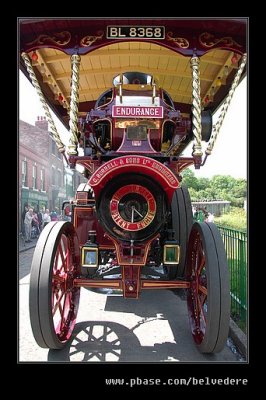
(235, 242)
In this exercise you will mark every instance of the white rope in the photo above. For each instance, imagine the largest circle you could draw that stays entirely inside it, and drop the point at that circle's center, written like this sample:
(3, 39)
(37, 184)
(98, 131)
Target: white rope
(216, 128)
(54, 132)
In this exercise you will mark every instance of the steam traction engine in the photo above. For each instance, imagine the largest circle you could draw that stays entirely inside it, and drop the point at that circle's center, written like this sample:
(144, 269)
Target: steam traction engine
(131, 224)
(132, 218)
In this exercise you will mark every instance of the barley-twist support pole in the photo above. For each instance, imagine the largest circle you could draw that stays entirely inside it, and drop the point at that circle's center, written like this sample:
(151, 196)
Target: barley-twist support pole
(74, 101)
(196, 107)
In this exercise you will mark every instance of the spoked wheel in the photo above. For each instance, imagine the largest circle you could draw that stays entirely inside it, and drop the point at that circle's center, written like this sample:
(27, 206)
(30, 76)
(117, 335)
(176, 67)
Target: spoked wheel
(53, 300)
(181, 211)
(208, 297)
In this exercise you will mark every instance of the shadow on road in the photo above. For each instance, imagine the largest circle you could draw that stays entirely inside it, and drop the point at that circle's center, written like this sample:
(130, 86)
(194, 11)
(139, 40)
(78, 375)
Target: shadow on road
(98, 341)
(109, 341)
(106, 341)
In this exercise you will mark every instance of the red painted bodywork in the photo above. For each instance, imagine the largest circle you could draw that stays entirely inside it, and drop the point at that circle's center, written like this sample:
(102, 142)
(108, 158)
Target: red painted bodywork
(134, 163)
(85, 220)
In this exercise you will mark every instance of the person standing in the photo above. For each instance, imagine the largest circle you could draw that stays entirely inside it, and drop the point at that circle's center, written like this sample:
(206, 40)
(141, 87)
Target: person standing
(53, 216)
(27, 223)
(35, 224)
(39, 215)
(210, 217)
(26, 209)
(46, 218)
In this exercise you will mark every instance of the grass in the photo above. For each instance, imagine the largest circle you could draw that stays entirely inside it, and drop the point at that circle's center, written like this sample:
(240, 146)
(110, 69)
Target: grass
(241, 323)
(236, 272)
(236, 219)
(236, 257)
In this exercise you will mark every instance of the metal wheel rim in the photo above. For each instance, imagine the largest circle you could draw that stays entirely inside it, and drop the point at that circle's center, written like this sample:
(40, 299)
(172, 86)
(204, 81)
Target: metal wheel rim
(208, 298)
(53, 298)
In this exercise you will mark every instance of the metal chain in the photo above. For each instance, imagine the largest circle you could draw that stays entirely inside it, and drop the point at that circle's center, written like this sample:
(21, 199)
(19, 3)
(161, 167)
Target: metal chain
(196, 107)
(74, 100)
(60, 145)
(217, 126)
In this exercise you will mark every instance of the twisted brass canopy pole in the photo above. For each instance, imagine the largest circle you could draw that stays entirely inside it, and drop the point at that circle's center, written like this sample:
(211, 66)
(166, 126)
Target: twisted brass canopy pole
(196, 107)
(74, 101)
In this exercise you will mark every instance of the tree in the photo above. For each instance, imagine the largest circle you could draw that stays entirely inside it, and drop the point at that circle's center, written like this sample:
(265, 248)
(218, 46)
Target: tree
(240, 188)
(219, 187)
(222, 182)
(194, 195)
(203, 183)
(189, 178)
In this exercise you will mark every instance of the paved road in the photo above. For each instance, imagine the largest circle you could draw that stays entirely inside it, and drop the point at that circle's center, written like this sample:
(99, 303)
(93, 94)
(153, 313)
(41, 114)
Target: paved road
(154, 328)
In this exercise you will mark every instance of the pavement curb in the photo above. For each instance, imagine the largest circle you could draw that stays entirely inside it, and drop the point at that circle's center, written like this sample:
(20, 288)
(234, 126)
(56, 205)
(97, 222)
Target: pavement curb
(27, 248)
(239, 338)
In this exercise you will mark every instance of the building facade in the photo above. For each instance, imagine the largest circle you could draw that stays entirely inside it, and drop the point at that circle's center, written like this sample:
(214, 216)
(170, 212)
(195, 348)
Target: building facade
(57, 192)
(44, 180)
(34, 170)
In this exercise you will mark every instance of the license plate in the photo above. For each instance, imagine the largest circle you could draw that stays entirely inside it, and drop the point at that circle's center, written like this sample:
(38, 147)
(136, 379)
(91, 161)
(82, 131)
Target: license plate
(135, 32)
(136, 142)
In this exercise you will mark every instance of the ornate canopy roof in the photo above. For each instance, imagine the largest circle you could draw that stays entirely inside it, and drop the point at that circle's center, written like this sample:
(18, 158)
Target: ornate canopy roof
(108, 46)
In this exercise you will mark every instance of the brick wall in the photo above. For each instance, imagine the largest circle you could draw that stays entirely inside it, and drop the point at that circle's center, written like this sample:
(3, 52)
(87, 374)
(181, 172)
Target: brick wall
(40, 164)
(36, 146)
(33, 146)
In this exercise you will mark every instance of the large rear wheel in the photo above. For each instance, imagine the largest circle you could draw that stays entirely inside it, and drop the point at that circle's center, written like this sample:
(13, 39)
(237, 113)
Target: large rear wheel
(208, 297)
(181, 212)
(53, 299)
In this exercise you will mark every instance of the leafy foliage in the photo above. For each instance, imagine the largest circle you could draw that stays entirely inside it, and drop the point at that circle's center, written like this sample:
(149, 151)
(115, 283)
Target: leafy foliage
(219, 187)
(235, 219)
